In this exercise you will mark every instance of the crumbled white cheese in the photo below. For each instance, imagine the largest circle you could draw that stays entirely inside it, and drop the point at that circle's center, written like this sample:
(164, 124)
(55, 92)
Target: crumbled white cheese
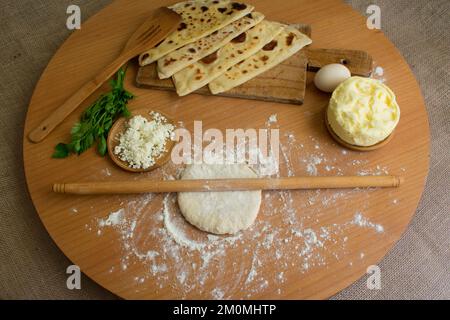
(144, 141)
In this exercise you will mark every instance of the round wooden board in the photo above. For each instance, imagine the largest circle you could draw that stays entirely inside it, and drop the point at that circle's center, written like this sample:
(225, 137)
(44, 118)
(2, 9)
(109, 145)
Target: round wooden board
(260, 264)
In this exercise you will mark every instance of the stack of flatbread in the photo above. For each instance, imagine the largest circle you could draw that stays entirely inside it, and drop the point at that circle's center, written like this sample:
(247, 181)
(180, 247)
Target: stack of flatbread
(222, 44)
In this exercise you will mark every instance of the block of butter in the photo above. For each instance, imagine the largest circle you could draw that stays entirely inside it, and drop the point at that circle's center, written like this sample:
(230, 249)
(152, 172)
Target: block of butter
(363, 111)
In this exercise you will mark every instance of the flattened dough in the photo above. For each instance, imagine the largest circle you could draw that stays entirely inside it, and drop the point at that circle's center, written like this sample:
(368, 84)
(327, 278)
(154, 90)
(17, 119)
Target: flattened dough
(219, 212)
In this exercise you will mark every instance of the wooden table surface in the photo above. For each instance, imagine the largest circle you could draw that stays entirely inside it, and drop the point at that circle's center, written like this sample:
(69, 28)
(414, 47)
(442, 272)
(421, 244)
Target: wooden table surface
(287, 254)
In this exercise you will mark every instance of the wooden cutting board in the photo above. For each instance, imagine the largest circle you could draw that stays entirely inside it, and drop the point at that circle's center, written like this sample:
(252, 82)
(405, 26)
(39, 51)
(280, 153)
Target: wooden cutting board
(273, 259)
(286, 83)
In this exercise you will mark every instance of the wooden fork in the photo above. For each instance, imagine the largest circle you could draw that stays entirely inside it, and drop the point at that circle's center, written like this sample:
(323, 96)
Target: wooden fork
(162, 22)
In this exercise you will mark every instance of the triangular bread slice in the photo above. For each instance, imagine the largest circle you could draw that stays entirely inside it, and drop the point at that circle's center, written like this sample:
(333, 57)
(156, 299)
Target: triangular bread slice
(209, 68)
(283, 46)
(191, 53)
(199, 19)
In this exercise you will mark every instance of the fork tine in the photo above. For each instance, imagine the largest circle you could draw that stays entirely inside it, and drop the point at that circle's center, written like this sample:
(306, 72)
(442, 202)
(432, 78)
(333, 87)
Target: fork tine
(149, 36)
(150, 30)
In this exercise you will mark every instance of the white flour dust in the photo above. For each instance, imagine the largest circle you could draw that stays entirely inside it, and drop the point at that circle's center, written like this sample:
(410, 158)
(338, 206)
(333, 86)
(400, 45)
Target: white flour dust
(379, 74)
(292, 233)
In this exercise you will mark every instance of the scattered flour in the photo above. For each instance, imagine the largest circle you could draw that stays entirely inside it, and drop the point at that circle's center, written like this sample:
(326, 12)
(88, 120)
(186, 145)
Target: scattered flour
(311, 164)
(113, 219)
(106, 172)
(175, 232)
(361, 221)
(378, 74)
(379, 71)
(217, 294)
(273, 118)
(292, 235)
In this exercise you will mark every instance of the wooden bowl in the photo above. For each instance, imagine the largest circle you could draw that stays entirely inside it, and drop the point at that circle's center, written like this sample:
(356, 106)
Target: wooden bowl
(352, 146)
(120, 126)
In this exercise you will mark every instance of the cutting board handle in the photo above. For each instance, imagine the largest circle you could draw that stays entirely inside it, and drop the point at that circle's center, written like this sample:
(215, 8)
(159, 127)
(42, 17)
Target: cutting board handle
(359, 62)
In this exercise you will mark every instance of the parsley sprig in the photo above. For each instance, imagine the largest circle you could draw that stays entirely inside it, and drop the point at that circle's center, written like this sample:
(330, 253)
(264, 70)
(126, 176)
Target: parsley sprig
(96, 120)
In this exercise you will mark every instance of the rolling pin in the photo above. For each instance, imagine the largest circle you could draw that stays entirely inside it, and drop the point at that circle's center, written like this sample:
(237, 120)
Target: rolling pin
(291, 183)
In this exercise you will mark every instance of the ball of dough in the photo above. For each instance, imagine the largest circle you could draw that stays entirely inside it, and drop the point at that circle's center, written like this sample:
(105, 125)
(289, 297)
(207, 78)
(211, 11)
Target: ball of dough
(219, 212)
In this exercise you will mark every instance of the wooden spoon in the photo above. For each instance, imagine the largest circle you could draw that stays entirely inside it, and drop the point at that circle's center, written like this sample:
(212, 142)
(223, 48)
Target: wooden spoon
(162, 23)
(120, 126)
(291, 183)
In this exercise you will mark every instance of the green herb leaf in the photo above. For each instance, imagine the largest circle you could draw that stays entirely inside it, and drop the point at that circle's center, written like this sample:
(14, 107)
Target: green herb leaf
(97, 120)
(61, 151)
(77, 146)
(102, 146)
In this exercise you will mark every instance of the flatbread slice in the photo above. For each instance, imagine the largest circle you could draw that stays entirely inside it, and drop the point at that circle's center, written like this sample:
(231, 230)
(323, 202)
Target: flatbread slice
(199, 19)
(283, 46)
(210, 67)
(183, 57)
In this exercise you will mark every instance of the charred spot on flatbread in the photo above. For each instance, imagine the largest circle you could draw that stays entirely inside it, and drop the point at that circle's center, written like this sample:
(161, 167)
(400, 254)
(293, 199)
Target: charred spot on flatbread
(290, 39)
(182, 26)
(169, 61)
(270, 46)
(238, 6)
(210, 58)
(240, 38)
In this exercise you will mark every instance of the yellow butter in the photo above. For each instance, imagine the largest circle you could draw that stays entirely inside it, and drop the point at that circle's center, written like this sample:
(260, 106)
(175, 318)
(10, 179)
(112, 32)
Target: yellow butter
(363, 111)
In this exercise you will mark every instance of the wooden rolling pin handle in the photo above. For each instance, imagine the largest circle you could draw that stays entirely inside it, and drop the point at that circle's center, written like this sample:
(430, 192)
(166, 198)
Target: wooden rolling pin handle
(292, 183)
(62, 112)
(59, 188)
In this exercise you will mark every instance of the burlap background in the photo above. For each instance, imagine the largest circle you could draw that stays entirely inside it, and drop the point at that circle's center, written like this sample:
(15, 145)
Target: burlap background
(32, 267)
